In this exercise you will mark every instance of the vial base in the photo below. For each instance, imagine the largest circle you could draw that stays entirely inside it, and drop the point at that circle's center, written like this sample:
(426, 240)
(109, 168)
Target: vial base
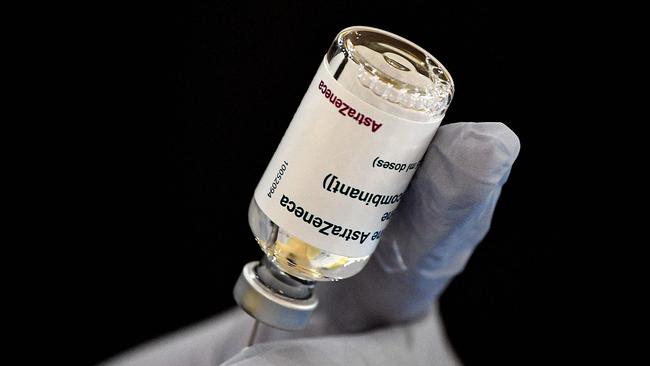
(297, 257)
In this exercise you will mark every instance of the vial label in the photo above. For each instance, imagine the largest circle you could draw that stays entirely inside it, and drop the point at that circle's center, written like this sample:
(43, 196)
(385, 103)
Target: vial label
(341, 169)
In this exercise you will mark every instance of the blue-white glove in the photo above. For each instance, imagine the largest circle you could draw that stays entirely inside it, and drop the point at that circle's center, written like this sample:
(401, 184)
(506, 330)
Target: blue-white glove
(387, 314)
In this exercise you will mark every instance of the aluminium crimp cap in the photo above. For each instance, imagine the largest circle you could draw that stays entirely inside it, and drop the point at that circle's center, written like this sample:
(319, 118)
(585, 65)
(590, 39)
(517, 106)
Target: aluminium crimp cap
(276, 300)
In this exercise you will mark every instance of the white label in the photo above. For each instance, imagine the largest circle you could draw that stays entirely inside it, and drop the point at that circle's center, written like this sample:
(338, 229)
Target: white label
(341, 169)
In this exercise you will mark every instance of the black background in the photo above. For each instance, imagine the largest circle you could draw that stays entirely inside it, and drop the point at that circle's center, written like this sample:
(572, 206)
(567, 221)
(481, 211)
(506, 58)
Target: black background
(201, 95)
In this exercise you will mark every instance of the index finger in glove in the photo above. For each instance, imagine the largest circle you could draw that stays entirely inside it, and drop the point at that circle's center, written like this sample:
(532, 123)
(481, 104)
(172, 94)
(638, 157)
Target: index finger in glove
(448, 207)
(445, 213)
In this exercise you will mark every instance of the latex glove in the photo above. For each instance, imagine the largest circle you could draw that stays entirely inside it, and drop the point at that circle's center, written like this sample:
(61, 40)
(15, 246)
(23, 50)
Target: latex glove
(386, 314)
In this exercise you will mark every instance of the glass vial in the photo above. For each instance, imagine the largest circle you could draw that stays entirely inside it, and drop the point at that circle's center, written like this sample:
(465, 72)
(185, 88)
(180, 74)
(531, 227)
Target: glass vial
(348, 155)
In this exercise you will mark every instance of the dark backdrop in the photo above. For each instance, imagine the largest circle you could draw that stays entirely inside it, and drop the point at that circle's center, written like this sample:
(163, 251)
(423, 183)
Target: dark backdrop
(202, 95)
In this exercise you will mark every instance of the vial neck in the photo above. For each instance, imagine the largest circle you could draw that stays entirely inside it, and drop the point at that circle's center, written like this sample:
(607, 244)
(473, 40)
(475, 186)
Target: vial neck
(283, 283)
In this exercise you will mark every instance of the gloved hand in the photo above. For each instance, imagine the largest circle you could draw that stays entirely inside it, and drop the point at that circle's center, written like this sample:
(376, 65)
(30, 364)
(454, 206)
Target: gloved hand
(385, 315)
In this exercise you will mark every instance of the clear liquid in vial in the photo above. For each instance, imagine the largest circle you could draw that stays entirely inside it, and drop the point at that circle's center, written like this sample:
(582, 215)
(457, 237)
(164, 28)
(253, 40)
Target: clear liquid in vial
(297, 257)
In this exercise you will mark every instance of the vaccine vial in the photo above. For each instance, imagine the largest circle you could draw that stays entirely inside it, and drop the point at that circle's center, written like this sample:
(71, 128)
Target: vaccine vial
(341, 169)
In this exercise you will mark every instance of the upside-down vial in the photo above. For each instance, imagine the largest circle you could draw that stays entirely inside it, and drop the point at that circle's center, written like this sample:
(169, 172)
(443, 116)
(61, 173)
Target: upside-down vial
(341, 169)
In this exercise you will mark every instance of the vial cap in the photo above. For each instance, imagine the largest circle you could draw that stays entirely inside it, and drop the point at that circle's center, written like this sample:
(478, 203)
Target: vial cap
(269, 305)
